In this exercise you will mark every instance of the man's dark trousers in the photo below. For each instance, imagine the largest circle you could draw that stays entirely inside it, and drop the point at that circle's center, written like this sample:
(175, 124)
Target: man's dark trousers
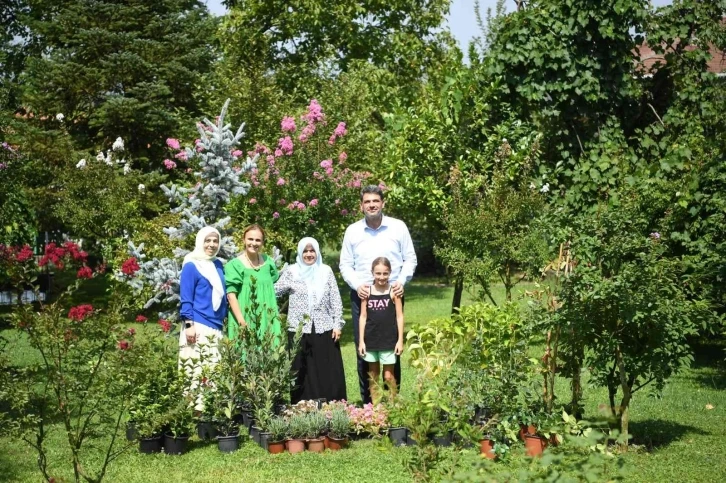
(365, 392)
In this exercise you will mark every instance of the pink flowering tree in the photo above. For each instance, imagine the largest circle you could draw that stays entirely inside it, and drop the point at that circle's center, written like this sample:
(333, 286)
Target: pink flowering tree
(302, 185)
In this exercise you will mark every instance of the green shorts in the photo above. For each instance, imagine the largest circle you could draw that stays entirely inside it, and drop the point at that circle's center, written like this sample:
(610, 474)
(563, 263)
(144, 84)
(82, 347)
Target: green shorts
(384, 357)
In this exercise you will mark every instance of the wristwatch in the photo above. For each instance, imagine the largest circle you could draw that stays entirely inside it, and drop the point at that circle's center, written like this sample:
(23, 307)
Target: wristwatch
(188, 324)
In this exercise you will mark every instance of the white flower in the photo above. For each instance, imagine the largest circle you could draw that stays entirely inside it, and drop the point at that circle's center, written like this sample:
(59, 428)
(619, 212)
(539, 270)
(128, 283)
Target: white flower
(59, 117)
(81, 164)
(127, 169)
(142, 188)
(545, 188)
(118, 144)
(100, 156)
(532, 186)
(108, 159)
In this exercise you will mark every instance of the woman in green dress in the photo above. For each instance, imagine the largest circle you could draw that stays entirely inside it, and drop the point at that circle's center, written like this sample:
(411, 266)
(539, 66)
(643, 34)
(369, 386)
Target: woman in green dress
(239, 274)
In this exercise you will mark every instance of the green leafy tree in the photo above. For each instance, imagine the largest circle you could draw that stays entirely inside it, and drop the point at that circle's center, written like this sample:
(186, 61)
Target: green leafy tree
(626, 303)
(128, 69)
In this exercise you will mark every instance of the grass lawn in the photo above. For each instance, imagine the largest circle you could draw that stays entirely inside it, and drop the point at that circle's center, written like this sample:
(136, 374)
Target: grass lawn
(675, 438)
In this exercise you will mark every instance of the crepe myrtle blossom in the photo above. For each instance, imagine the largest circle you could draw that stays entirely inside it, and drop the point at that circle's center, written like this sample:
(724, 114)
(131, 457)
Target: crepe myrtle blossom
(280, 181)
(342, 157)
(276, 215)
(173, 143)
(118, 144)
(288, 124)
(169, 164)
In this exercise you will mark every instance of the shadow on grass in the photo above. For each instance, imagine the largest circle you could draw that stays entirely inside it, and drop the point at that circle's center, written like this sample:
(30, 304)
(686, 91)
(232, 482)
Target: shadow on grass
(709, 369)
(656, 433)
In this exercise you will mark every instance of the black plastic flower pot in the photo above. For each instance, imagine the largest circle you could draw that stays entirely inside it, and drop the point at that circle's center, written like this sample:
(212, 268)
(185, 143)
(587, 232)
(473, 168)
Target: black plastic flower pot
(250, 422)
(206, 430)
(150, 445)
(175, 445)
(320, 401)
(131, 433)
(255, 434)
(264, 438)
(398, 436)
(442, 440)
(228, 444)
(279, 409)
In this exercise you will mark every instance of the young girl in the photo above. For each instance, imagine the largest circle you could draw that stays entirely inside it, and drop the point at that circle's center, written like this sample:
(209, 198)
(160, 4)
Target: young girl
(381, 326)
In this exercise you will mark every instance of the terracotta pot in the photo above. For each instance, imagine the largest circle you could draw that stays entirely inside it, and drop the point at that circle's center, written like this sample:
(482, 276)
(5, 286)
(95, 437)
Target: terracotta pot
(295, 445)
(276, 447)
(535, 445)
(316, 445)
(486, 447)
(525, 429)
(335, 444)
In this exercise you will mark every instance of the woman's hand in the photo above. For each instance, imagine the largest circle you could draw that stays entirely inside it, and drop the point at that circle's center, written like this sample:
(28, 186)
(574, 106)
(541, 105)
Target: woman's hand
(362, 349)
(191, 335)
(399, 348)
(336, 335)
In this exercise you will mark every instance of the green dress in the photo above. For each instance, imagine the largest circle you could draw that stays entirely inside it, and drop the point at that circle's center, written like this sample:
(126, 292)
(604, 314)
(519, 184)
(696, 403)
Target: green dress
(239, 282)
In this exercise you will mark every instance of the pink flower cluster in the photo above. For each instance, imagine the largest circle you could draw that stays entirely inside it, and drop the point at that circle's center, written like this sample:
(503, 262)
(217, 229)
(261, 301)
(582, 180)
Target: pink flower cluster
(173, 143)
(288, 124)
(313, 115)
(169, 164)
(339, 132)
(296, 205)
(284, 147)
(368, 419)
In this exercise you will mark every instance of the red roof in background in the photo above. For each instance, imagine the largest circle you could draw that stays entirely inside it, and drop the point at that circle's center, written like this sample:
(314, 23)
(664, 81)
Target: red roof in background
(649, 59)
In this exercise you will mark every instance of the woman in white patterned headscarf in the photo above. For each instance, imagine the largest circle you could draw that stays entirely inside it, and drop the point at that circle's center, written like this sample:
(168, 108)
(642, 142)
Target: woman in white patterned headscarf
(315, 303)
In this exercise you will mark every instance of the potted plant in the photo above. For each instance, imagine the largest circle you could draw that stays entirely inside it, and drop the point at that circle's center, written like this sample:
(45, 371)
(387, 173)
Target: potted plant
(297, 429)
(278, 430)
(227, 387)
(206, 424)
(397, 432)
(337, 436)
(179, 417)
(148, 413)
(316, 425)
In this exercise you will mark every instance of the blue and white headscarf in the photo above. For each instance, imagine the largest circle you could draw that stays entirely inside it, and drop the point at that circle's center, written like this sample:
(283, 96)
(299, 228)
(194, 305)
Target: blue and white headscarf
(314, 276)
(205, 264)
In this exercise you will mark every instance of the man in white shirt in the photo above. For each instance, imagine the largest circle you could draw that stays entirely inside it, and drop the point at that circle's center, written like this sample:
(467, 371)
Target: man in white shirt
(374, 236)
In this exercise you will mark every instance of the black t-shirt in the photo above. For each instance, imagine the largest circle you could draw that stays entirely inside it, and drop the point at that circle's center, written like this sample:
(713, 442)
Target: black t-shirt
(381, 332)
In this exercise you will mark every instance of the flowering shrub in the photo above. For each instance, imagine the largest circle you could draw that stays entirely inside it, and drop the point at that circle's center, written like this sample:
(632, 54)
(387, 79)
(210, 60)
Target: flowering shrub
(370, 419)
(302, 185)
(87, 366)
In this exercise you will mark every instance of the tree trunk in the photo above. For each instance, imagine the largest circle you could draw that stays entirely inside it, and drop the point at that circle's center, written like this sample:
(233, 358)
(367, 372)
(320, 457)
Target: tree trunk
(458, 291)
(626, 385)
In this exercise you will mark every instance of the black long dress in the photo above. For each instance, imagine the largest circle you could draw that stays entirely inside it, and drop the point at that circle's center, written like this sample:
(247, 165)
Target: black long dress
(319, 366)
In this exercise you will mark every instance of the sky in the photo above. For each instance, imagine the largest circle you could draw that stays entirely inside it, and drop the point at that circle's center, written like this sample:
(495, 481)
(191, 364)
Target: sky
(462, 20)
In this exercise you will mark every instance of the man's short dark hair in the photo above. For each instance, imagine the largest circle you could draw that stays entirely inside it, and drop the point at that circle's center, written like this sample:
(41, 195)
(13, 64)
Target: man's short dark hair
(371, 188)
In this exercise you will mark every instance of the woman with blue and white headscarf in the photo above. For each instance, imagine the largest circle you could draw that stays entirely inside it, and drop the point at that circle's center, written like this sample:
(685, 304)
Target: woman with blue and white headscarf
(315, 303)
(203, 305)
